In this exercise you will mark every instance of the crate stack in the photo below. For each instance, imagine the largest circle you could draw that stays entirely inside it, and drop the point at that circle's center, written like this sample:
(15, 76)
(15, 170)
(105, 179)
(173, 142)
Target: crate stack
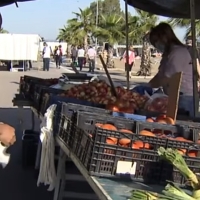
(100, 149)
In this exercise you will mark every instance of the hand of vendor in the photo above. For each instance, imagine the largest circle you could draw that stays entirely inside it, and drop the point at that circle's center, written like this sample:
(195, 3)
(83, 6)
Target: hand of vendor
(7, 134)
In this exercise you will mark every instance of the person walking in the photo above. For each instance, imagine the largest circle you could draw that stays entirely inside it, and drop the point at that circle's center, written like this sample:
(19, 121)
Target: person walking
(91, 59)
(60, 54)
(46, 56)
(58, 57)
(131, 60)
(81, 57)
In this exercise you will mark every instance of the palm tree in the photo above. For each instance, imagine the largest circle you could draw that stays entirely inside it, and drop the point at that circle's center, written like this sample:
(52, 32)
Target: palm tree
(3, 31)
(82, 25)
(185, 23)
(110, 29)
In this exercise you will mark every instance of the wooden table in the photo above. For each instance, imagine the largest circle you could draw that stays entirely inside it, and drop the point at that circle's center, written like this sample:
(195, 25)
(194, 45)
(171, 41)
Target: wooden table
(104, 188)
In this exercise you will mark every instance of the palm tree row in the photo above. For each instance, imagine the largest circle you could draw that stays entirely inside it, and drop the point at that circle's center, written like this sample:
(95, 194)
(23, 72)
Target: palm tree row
(111, 28)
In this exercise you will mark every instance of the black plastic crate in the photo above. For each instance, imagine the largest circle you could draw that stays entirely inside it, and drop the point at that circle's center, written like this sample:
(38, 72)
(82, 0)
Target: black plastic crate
(40, 91)
(87, 122)
(100, 158)
(31, 83)
(172, 174)
(70, 111)
(77, 77)
(172, 131)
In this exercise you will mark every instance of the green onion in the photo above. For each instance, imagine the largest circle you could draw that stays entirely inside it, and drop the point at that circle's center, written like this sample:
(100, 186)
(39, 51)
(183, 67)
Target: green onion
(176, 159)
(172, 190)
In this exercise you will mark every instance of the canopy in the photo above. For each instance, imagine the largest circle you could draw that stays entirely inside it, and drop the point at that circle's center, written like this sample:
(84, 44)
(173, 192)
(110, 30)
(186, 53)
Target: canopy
(7, 2)
(168, 8)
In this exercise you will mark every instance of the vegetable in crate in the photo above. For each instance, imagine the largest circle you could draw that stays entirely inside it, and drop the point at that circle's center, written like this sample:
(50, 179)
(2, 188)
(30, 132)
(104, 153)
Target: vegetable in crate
(100, 92)
(175, 158)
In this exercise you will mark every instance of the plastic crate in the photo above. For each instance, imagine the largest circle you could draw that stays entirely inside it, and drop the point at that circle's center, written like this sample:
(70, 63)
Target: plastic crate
(31, 83)
(71, 110)
(55, 99)
(100, 158)
(172, 174)
(130, 116)
(40, 91)
(87, 121)
(170, 130)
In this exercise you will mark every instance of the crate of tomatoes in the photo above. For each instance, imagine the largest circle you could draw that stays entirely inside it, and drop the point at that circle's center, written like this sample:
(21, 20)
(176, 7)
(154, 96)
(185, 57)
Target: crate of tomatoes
(163, 132)
(100, 142)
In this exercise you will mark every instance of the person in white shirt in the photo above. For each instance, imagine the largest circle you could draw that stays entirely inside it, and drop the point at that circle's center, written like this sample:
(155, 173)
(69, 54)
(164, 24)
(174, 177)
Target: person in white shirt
(46, 56)
(91, 58)
(81, 57)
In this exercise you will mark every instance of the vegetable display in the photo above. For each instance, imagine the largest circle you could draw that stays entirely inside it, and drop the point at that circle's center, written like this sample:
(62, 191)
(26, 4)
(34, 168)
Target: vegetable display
(172, 191)
(99, 92)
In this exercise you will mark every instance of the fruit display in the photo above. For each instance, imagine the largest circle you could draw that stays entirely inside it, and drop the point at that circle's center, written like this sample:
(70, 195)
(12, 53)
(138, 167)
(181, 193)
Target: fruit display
(124, 142)
(158, 104)
(99, 92)
(163, 119)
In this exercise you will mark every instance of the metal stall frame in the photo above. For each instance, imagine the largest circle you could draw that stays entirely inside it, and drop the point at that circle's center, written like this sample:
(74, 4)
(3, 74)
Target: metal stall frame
(196, 103)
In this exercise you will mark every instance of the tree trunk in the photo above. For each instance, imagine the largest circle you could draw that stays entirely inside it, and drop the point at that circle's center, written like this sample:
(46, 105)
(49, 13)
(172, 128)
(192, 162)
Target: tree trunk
(109, 60)
(145, 66)
(68, 51)
(86, 43)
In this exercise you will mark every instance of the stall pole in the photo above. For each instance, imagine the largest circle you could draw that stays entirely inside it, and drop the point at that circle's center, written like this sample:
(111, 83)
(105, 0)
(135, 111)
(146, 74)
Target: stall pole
(127, 49)
(194, 59)
(97, 17)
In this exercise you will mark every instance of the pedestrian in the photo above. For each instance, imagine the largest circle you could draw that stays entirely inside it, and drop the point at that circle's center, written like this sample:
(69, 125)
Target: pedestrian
(131, 60)
(57, 56)
(46, 56)
(73, 54)
(60, 53)
(81, 57)
(91, 59)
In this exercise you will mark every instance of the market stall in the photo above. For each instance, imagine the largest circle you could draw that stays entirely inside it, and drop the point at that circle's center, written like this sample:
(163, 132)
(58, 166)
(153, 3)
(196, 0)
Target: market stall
(80, 102)
(111, 134)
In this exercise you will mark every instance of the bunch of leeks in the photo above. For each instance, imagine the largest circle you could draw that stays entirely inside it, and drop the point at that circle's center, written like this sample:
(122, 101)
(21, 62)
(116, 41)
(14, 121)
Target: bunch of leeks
(171, 192)
(176, 159)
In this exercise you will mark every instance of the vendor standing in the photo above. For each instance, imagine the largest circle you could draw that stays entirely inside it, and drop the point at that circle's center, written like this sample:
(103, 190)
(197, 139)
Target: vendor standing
(176, 58)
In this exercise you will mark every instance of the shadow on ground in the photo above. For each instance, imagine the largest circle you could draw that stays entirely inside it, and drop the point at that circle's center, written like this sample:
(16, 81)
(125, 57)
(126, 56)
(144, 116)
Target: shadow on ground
(15, 82)
(15, 182)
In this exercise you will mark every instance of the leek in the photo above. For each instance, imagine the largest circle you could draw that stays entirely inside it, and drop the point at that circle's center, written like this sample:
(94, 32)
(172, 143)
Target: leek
(176, 159)
(171, 190)
(147, 195)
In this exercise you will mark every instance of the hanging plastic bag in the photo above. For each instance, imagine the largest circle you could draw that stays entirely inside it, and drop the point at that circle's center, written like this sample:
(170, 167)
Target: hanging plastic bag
(158, 102)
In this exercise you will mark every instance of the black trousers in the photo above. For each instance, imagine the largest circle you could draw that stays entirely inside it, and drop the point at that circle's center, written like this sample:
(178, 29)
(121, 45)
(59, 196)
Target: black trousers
(80, 62)
(91, 65)
(46, 64)
(128, 67)
(73, 59)
(58, 60)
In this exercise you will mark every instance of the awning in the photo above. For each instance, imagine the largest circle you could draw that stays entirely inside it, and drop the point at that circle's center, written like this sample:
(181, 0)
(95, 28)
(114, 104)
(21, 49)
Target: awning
(7, 2)
(168, 8)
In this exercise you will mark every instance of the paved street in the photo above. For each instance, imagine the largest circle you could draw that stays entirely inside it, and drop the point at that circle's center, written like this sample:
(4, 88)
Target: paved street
(22, 184)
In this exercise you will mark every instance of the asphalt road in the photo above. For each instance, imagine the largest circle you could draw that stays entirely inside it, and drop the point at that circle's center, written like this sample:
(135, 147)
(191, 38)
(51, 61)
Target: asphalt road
(15, 182)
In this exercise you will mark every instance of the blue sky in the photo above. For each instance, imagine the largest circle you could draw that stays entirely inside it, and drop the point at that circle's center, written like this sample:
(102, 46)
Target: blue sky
(45, 17)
